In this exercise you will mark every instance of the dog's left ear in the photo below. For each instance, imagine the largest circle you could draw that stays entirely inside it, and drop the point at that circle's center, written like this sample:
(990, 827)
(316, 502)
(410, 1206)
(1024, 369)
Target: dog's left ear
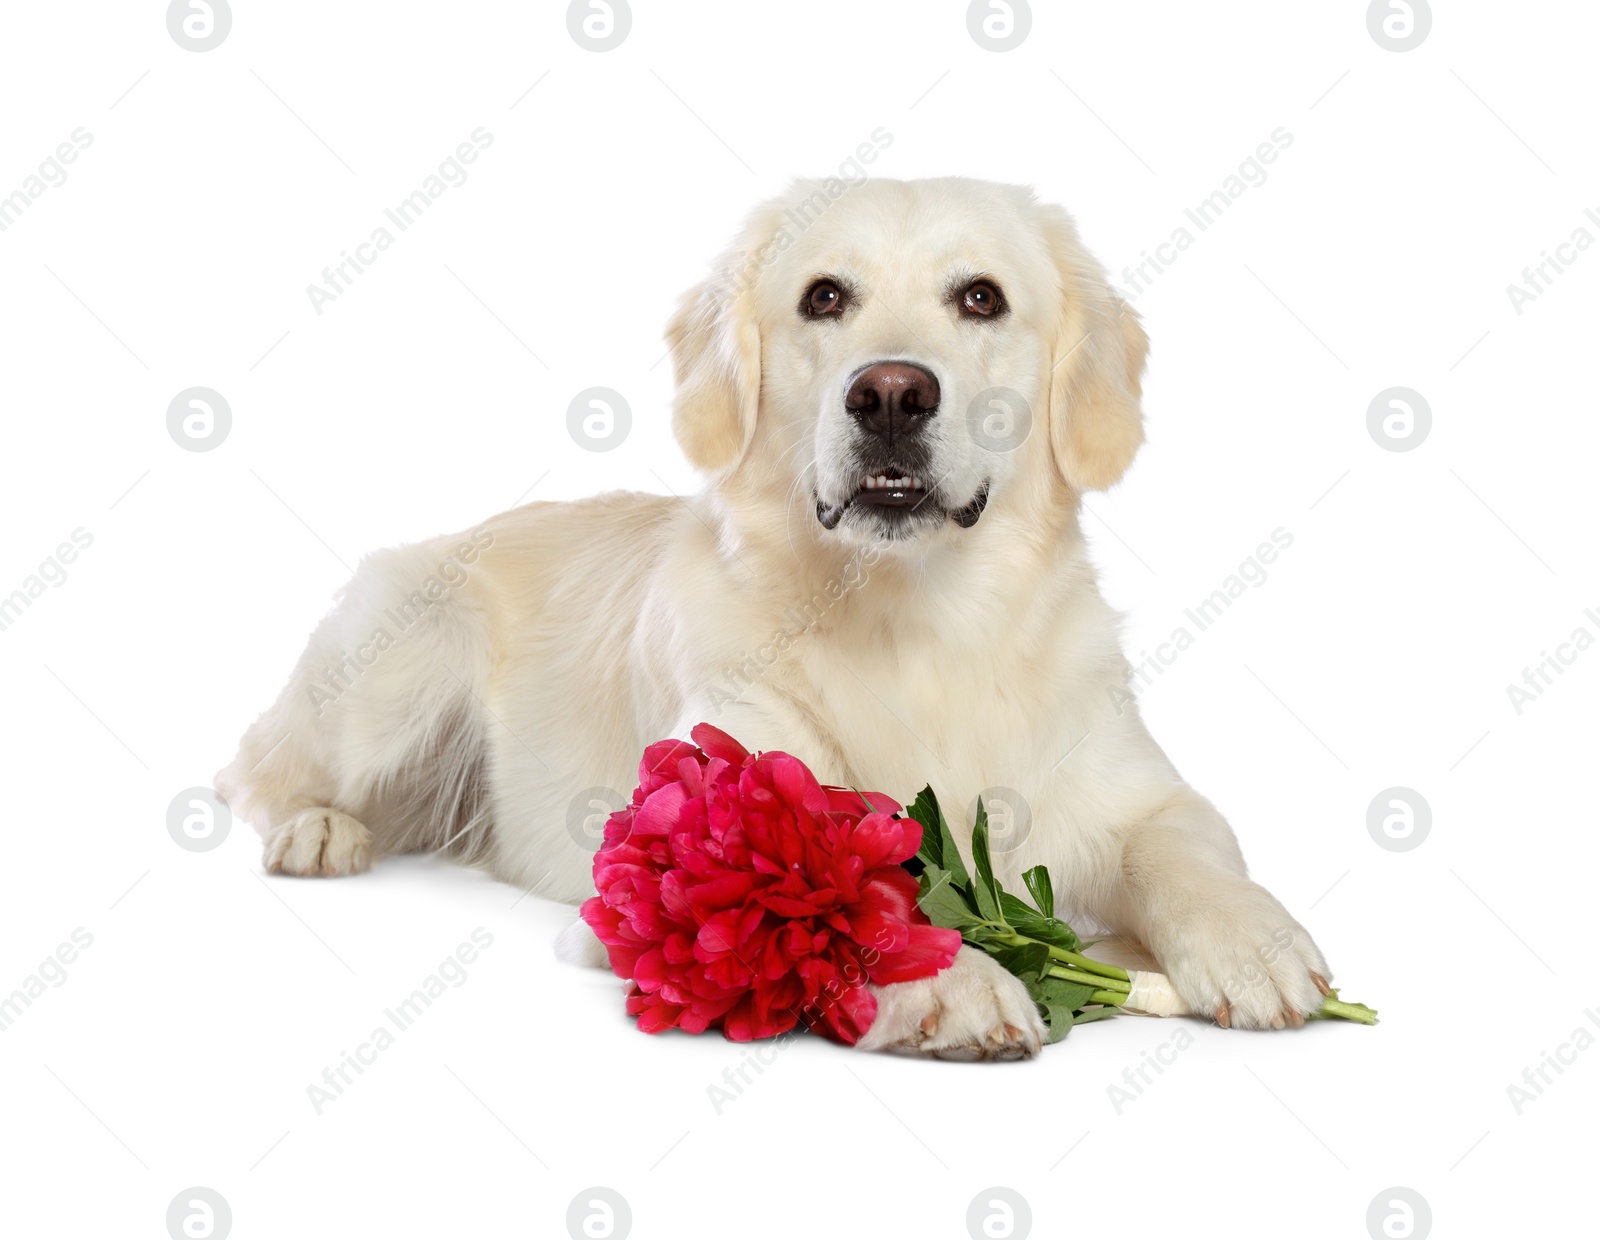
(1096, 424)
(716, 352)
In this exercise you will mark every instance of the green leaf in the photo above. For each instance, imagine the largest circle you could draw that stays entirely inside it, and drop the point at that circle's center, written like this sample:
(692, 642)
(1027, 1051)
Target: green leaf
(952, 854)
(983, 897)
(925, 810)
(985, 889)
(938, 845)
(1058, 1020)
(1062, 1004)
(1028, 962)
(943, 903)
(1016, 910)
(1038, 883)
(1047, 930)
(1070, 995)
(1057, 1017)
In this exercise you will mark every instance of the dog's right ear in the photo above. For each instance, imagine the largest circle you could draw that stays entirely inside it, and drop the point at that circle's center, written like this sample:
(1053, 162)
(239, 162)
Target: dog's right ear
(716, 353)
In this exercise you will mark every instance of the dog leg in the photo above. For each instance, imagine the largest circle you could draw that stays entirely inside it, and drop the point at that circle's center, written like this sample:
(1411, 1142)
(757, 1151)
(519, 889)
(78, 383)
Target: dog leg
(376, 744)
(1230, 949)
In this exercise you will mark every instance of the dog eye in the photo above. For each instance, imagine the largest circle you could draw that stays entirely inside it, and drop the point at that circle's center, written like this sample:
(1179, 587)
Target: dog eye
(981, 300)
(823, 297)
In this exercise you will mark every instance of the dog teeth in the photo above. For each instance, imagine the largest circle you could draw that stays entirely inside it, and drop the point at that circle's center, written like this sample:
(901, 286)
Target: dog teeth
(882, 482)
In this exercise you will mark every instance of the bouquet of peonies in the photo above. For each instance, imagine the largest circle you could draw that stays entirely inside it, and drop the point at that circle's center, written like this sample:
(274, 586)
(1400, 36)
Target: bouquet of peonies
(737, 892)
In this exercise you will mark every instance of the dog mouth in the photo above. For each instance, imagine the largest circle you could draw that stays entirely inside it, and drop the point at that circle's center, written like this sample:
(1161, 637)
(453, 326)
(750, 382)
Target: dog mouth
(899, 495)
(891, 491)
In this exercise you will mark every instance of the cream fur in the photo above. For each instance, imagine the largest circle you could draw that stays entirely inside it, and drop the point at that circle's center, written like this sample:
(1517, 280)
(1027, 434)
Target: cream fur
(568, 636)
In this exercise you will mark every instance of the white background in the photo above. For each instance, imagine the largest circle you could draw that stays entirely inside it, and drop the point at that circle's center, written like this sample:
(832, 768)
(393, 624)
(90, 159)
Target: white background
(1377, 253)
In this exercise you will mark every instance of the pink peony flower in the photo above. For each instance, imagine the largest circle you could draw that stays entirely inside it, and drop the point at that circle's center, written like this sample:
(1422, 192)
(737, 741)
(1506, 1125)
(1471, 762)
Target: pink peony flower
(738, 892)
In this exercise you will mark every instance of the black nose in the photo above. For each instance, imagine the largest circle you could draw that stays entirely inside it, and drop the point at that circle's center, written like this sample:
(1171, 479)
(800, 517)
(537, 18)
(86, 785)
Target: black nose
(891, 399)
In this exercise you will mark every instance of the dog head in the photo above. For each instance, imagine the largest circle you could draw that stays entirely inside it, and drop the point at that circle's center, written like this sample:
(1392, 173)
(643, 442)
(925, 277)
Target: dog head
(899, 357)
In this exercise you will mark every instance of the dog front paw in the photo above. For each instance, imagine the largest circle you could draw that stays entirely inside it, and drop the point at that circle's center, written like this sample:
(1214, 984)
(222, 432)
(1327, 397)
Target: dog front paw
(318, 842)
(1241, 959)
(972, 1010)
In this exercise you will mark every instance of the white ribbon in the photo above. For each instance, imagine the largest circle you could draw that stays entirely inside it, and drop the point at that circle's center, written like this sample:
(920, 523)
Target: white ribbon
(1153, 995)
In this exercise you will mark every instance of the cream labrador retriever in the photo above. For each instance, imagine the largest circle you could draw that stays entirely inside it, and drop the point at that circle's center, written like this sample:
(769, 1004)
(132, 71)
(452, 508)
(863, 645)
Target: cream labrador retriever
(898, 391)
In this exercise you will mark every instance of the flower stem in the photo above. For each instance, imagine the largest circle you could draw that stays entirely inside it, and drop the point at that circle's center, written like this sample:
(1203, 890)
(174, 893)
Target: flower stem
(1102, 985)
(1334, 1008)
(1086, 965)
(1076, 960)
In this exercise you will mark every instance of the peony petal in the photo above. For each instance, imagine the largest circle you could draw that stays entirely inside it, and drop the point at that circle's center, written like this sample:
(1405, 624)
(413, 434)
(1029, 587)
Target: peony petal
(717, 937)
(660, 812)
(765, 865)
(878, 929)
(718, 744)
(594, 911)
(854, 804)
(675, 897)
(739, 1024)
(622, 958)
(750, 919)
(795, 784)
(659, 765)
(879, 839)
(678, 948)
(787, 906)
(691, 774)
(656, 1018)
(722, 891)
(895, 887)
(857, 1008)
(928, 949)
(650, 971)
